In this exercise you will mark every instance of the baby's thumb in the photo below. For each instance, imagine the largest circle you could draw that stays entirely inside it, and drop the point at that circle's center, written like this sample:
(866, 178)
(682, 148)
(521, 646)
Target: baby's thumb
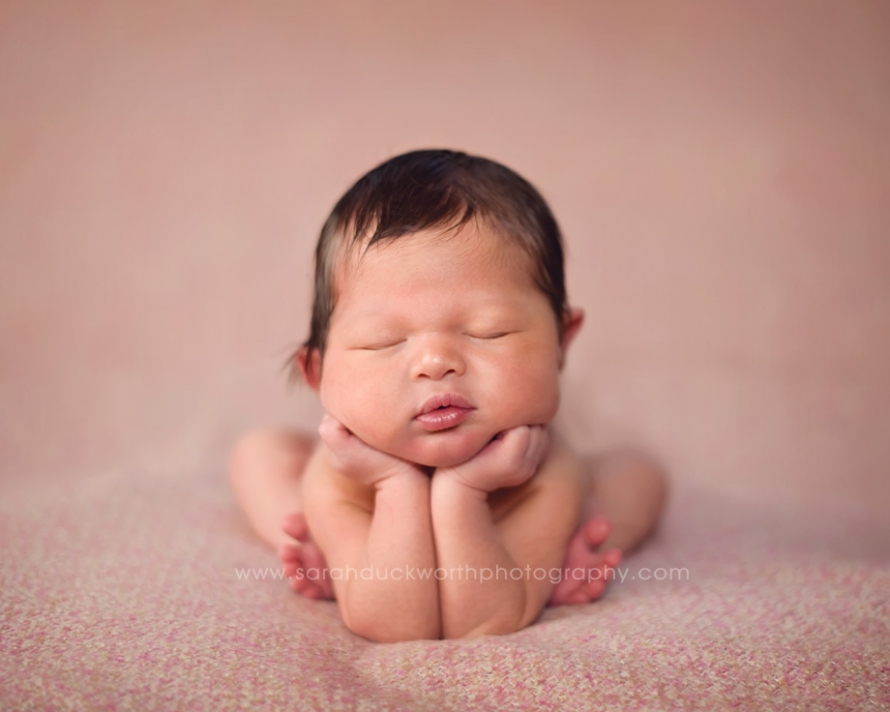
(333, 433)
(516, 441)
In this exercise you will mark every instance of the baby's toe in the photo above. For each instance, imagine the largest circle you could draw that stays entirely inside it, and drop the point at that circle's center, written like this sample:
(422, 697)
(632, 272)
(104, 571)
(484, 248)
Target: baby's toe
(288, 553)
(594, 589)
(313, 561)
(308, 588)
(562, 592)
(294, 525)
(313, 592)
(612, 558)
(298, 582)
(595, 531)
(578, 598)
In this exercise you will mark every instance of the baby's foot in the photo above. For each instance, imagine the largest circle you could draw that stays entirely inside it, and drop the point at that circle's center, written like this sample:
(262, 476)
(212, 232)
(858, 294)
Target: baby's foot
(585, 570)
(304, 564)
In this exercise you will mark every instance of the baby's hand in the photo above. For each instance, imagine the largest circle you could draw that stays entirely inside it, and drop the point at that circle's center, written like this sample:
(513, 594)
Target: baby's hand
(507, 461)
(357, 460)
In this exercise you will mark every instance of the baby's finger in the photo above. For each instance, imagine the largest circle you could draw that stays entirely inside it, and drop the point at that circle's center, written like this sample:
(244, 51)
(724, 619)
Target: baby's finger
(332, 431)
(338, 439)
(517, 440)
(539, 441)
(507, 447)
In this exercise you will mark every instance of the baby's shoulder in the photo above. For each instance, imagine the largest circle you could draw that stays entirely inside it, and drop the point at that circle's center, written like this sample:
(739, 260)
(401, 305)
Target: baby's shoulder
(561, 462)
(559, 477)
(322, 482)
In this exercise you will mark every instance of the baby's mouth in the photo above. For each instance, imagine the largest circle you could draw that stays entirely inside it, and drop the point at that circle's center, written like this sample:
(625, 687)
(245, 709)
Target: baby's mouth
(444, 411)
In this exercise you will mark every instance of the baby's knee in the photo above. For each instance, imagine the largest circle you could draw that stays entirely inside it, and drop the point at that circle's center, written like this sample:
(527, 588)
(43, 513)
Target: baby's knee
(248, 449)
(646, 471)
(635, 472)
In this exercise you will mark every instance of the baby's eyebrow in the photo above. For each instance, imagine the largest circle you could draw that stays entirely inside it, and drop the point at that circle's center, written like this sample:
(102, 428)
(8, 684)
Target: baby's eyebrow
(375, 317)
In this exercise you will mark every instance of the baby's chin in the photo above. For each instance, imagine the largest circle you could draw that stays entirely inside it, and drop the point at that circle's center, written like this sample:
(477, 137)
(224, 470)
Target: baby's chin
(445, 449)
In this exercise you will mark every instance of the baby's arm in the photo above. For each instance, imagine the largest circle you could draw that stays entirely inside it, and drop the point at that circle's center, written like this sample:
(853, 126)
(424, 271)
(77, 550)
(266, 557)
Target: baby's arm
(370, 514)
(531, 536)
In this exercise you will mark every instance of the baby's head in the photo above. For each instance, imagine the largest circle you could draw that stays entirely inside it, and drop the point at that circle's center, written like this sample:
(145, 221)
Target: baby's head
(438, 275)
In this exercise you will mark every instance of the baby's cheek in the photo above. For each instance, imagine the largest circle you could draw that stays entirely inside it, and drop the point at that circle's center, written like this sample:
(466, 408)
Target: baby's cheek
(373, 432)
(368, 414)
(345, 401)
(534, 398)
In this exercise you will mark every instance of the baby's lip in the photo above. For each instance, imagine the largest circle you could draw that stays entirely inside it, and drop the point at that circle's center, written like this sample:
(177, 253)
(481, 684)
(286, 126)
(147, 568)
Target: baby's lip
(444, 400)
(443, 411)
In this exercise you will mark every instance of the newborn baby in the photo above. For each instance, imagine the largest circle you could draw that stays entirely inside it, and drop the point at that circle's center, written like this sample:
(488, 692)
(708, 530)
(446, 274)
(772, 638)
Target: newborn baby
(440, 500)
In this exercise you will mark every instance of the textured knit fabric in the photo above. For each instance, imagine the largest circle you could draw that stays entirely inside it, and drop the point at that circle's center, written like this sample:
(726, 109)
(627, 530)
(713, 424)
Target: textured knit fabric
(124, 592)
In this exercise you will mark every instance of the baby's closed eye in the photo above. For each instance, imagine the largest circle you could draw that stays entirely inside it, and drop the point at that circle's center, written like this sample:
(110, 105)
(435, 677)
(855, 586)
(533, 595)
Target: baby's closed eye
(380, 345)
(488, 335)
(492, 331)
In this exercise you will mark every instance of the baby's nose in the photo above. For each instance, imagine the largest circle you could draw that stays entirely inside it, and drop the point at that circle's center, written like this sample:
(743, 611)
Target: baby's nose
(436, 359)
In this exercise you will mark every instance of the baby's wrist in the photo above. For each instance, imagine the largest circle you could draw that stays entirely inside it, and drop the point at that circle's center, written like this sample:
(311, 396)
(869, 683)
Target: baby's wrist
(401, 475)
(453, 480)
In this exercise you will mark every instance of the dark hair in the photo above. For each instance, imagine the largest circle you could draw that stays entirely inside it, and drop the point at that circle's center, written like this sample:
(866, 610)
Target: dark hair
(428, 189)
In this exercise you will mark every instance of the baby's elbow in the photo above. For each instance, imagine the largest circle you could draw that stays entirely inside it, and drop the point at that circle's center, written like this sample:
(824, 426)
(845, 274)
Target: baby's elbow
(379, 629)
(495, 626)
(385, 633)
(499, 625)
(508, 619)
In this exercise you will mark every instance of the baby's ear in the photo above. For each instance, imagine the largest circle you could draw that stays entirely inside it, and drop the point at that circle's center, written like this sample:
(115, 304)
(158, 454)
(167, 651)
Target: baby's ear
(571, 325)
(309, 361)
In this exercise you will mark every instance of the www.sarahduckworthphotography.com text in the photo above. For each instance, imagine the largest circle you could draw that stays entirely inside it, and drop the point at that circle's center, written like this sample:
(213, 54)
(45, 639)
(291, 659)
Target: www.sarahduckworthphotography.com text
(466, 573)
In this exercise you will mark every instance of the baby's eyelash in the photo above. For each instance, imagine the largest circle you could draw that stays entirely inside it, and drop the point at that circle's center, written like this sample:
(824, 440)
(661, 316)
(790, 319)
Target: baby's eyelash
(380, 347)
(490, 337)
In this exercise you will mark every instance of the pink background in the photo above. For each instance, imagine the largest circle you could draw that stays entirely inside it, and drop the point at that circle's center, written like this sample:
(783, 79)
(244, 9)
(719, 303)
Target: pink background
(721, 172)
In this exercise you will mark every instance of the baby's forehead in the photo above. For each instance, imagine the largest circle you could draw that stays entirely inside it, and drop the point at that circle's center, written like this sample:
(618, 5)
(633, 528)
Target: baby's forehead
(480, 236)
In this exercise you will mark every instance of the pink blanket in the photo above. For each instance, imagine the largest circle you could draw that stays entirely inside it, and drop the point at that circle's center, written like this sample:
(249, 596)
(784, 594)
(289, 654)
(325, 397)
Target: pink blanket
(132, 592)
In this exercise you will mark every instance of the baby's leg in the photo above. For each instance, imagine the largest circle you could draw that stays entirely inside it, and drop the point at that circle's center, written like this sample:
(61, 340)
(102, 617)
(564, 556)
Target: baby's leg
(629, 490)
(265, 474)
(625, 497)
